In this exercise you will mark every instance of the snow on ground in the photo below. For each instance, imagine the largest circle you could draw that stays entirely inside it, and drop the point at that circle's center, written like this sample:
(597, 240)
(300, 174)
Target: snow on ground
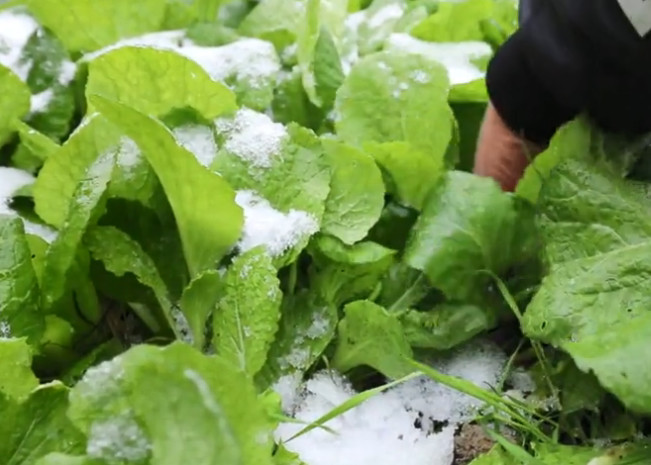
(411, 423)
(264, 225)
(455, 56)
(253, 61)
(11, 180)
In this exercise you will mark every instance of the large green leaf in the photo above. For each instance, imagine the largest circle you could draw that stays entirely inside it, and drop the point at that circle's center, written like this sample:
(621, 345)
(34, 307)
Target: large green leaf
(188, 397)
(159, 82)
(467, 228)
(37, 426)
(85, 208)
(356, 196)
(594, 303)
(391, 97)
(246, 320)
(199, 301)
(111, 21)
(192, 191)
(20, 314)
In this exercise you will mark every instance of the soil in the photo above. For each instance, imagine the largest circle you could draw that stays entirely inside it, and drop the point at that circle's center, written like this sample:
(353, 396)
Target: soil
(469, 443)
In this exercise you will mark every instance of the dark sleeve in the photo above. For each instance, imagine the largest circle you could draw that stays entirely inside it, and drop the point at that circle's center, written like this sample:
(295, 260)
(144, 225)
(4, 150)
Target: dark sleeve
(536, 80)
(569, 57)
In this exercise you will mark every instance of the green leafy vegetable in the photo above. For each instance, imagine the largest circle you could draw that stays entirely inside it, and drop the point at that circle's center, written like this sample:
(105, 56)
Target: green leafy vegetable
(246, 319)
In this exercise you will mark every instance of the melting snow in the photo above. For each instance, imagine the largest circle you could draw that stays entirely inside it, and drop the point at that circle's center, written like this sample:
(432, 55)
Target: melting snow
(5, 332)
(199, 140)
(15, 30)
(385, 15)
(410, 423)
(251, 60)
(252, 136)
(264, 225)
(11, 180)
(455, 56)
(40, 101)
(117, 438)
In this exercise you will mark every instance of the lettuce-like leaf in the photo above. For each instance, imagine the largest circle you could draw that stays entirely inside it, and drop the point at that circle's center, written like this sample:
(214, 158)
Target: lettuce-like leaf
(111, 21)
(192, 191)
(16, 361)
(356, 196)
(203, 396)
(20, 313)
(159, 81)
(246, 319)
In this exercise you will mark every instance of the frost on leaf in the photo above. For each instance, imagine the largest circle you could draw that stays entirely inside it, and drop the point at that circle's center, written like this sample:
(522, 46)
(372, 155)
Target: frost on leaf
(199, 140)
(457, 57)
(117, 439)
(277, 231)
(253, 137)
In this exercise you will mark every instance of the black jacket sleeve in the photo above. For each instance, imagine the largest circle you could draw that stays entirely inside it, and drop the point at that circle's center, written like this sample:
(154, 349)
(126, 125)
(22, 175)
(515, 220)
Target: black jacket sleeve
(568, 57)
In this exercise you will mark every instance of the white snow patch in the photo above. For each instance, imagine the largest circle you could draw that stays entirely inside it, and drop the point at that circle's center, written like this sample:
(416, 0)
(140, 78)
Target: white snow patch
(117, 438)
(67, 72)
(385, 15)
(251, 60)
(252, 136)
(287, 388)
(455, 56)
(128, 154)
(199, 140)
(15, 30)
(264, 225)
(182, 326)
(40, 101)
(5, 330)
(400, 425)
(11, 180)
(101, 381)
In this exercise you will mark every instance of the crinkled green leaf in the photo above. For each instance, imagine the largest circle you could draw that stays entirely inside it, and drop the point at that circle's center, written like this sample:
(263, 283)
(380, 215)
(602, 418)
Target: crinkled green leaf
(413, 173)
(356, 196)
(199, 301)
(593, 303)
(87, 204)
(246, 319)
(467, 228)
(189, 397)
(14, 103)
(369, 335)
(208, 219)
(37, 426)
(393, 97)
(66, 167)
(16, 365)
(445, 326)
(158, 82)
(112, 21)
(20, 314)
